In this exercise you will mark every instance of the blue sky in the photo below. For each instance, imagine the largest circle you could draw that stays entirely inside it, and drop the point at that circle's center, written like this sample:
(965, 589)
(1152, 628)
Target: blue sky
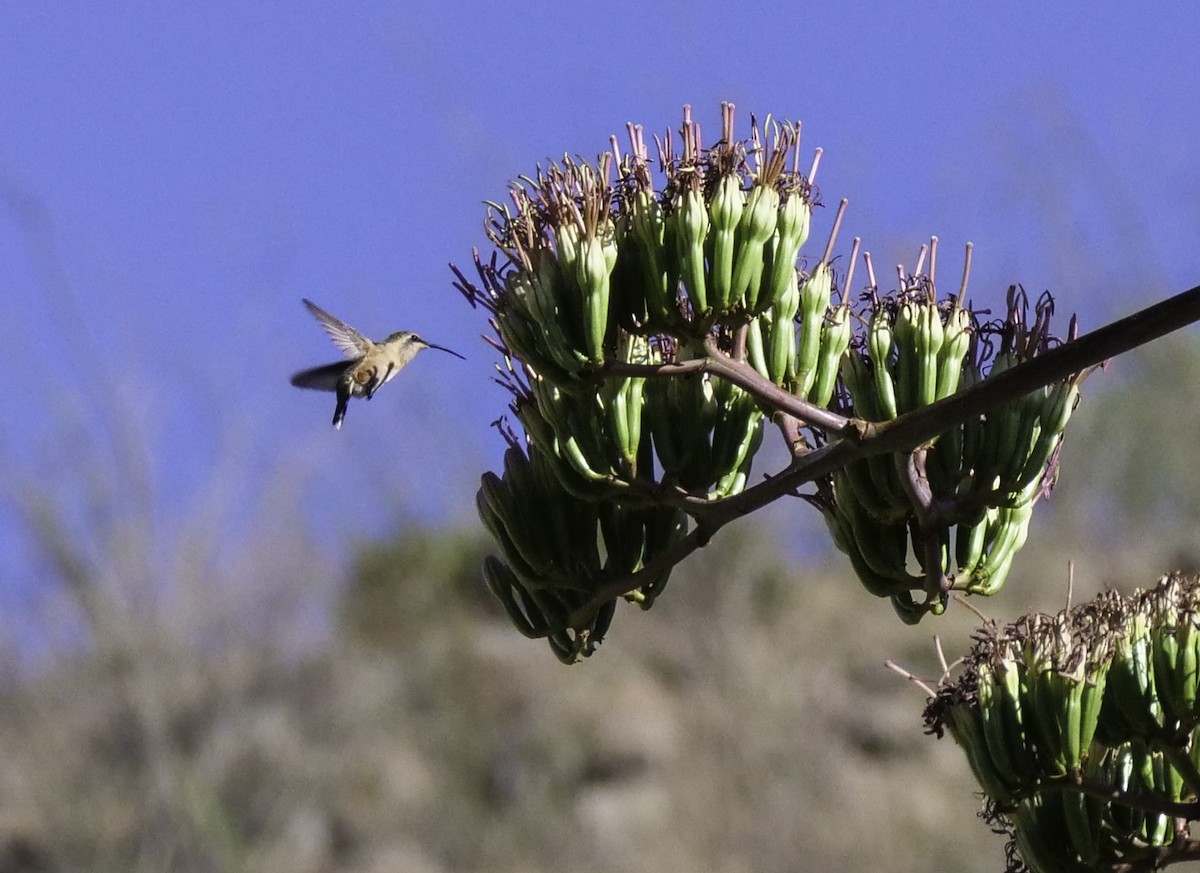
(175, 177)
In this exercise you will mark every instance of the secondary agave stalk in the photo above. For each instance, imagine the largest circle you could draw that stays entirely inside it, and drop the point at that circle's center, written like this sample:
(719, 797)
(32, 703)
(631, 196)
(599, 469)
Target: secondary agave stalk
(1081, 728)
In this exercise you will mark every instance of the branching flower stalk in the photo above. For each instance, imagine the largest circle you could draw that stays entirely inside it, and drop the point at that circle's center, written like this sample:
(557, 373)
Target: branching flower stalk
(652, 318)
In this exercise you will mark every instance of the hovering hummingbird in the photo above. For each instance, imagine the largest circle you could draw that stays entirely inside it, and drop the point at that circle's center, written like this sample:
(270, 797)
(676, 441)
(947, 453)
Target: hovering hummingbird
(370, 366)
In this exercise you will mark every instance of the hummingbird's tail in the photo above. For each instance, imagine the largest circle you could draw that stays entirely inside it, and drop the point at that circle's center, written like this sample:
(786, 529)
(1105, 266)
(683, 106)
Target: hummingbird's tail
(321, 378)
(343, 400)
(331, 377)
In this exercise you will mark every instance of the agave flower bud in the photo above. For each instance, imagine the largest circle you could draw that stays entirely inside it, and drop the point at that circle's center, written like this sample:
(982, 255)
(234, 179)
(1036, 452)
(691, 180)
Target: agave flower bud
(1173, 614)
(623, 400)
(649, 227)
(930, 333)
(692, 233)
(795, 216)
(756, 343)
(814, 304)
(757, 225)
(836, 334)
(606, 233)
(879, 343)
(725, 210)
(908, 358)
(737, 435)
(779, 334)
(781, 346)
(592, 276)
(664, 527)
(1134, 709)
(567, 245)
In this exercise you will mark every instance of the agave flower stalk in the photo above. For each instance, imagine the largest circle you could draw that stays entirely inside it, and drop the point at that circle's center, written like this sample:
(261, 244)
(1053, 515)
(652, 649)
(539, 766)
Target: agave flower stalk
(1059, 721)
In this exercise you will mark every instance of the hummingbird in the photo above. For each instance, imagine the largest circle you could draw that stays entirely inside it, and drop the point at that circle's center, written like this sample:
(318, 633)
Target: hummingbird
(370, 364)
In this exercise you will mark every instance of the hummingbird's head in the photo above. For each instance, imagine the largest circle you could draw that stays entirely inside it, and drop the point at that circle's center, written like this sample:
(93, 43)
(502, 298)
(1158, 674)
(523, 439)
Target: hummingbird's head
(406, 339)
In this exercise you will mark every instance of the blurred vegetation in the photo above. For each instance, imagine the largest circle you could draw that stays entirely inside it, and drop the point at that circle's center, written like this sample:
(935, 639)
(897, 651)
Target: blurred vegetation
(746, 723)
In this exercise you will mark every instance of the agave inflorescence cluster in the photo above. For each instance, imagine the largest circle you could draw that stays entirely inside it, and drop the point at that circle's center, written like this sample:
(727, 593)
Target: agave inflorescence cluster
(961, 503)
(655, 314)
(1082, 727)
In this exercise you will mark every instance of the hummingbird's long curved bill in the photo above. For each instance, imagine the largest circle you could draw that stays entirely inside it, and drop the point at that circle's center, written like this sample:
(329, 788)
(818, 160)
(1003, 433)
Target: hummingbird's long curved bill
(443, 349)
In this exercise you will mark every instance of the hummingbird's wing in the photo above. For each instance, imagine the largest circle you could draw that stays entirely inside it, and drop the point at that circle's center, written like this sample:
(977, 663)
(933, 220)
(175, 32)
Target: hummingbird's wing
(323, 378)
(352, 343)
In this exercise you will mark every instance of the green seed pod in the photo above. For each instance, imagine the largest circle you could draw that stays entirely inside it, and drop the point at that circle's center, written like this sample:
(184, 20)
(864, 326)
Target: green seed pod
(567, 242)
(956, 344)
(756, 351)
(542, 302)
(759, 219)
(814, 305)
(692, 232)
(836, 334)
(781, 349)
(930, 334)
(649, 227)
(726, 211)
(908, 357)
(592, 273)
(879, 343)
(795, 215)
